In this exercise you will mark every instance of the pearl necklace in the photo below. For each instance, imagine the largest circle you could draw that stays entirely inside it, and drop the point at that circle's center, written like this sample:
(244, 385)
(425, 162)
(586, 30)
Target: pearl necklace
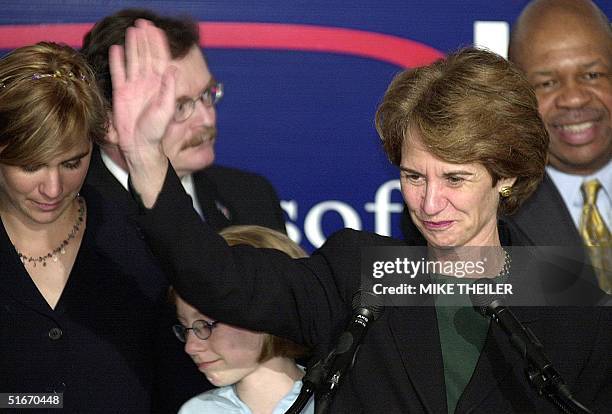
(61, 249)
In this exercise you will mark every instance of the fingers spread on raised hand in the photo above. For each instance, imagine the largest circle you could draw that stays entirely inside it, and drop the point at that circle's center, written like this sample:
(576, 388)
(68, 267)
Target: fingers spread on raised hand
(143, 87)
(116, 62)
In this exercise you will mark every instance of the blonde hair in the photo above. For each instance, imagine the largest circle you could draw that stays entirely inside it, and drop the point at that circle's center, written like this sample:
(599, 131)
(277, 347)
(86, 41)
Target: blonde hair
(262, 237)
(265, 238)
(49, 103)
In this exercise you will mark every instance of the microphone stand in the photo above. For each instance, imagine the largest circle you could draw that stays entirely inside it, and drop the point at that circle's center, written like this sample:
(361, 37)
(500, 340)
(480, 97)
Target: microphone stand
(319, 377)
(311, 382)
(367, 307)
(549, 383)
(541, 374)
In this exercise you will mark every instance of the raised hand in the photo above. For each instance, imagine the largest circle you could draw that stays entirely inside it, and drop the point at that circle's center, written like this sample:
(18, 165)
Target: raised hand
(143, 104)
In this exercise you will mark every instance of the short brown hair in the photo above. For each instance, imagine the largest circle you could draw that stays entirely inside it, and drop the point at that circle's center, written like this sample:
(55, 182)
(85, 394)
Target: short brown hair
(471, 107)
(265, 238)
(182, 34)
(49, 102)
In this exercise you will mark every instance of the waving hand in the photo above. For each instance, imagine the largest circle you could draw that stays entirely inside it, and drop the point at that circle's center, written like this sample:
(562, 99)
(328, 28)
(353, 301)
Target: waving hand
(143, 104)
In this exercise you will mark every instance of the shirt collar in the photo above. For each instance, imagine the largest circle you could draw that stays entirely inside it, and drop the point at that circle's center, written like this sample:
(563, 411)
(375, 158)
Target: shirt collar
(122, 176)
(605, 178)
(119, 173)
(569, 184)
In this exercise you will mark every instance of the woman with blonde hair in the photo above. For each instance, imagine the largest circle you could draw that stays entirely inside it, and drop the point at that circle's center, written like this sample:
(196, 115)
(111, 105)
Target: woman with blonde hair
(79, 301)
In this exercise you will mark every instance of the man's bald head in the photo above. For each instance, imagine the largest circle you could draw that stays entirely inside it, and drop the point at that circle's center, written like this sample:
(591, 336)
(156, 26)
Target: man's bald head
(564, 47)
(558, 18)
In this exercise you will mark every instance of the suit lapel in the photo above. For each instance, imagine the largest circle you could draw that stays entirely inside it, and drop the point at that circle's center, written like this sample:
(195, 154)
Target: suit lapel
(208, 197)
(100, 178)
(415, 331)
(494, 368)
(113, 236)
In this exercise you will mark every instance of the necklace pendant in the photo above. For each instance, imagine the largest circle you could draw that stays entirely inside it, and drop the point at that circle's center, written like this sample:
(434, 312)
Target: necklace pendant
(53, 254)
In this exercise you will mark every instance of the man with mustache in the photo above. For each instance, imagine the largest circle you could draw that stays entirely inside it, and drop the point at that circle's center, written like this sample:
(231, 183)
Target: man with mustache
(222, 196)
(565, 49)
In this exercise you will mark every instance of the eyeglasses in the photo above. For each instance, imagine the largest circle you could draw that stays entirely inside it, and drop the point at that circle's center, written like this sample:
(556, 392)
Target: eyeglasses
(209, 97)
(202, 329)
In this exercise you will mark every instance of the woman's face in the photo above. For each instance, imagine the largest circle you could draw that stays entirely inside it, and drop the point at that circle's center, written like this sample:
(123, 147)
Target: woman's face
(42, 193)
(451, 204)
(229, 355)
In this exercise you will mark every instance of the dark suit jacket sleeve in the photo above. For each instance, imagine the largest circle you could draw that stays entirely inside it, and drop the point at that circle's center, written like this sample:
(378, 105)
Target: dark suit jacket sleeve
(597, 378)
(259, 289)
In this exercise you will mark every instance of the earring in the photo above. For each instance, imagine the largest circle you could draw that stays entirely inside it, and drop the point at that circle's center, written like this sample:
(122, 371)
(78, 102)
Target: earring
(505, 191)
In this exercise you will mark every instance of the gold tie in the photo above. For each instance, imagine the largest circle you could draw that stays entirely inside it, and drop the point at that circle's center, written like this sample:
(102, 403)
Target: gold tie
(596, 235)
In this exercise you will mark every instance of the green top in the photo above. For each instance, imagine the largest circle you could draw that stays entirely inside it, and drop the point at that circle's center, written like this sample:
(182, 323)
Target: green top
(462, 336)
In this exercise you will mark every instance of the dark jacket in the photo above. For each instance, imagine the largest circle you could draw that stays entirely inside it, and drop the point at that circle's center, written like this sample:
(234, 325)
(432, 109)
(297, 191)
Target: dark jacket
(399, 367)
(97, 346)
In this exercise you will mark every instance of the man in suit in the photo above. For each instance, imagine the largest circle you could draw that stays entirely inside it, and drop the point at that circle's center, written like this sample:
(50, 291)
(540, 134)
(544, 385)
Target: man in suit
(565, 49)
(221, 195)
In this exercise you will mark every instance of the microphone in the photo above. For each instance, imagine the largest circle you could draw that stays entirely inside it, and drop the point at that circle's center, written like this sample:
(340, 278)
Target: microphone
(367, 307)
(540, 372)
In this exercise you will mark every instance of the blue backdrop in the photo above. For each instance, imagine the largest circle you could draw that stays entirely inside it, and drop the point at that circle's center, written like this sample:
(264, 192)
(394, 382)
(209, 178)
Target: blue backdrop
(301, 87)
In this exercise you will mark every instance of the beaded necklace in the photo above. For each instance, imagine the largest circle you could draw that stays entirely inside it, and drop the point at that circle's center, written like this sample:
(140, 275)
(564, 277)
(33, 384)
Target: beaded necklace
(61, 249)
(505, 270)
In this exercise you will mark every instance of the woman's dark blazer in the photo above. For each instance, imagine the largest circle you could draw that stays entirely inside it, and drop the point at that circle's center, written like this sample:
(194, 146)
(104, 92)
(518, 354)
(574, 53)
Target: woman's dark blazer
(399, 367)
(97, 346)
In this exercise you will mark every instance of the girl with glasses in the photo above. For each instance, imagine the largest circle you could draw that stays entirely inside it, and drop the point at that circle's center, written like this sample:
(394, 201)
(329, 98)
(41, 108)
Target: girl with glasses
(256, 371)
